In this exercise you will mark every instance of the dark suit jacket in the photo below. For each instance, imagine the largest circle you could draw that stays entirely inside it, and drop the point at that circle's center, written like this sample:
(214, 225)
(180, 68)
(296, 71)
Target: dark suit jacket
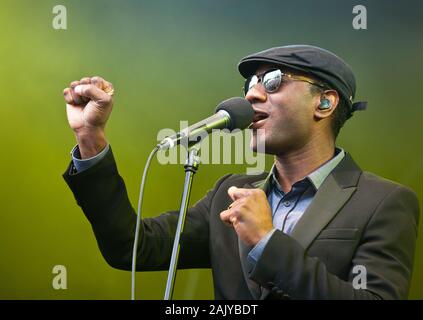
(355, 219)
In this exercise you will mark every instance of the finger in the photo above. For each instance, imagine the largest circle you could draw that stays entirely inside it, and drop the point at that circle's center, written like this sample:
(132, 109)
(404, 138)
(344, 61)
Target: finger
(77, 99)
(235, 204)
(98, 82)
(238, 193)
(73, 84)
(233, 220)
(92, 92)
(226, 217)
(68, 96)
(103, 84)
(108, 88)
(85, 80)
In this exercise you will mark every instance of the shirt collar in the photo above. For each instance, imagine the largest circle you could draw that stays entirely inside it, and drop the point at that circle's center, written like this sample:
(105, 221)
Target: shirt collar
(317, 176)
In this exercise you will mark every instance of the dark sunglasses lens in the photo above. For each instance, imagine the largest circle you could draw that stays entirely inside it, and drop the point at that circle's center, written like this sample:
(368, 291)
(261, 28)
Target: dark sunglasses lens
(272, 80)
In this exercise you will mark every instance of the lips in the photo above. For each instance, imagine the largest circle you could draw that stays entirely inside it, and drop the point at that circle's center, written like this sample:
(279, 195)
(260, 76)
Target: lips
(259, 119)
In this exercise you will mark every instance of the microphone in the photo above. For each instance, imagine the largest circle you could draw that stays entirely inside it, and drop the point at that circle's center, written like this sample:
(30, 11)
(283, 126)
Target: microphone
(233, 113)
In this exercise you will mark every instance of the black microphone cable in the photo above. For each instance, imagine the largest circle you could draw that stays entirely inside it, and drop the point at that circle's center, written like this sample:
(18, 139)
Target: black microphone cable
(137, 228)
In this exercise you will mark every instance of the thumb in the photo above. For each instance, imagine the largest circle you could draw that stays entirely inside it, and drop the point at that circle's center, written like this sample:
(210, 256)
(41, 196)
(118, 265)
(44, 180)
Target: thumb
(238, 193)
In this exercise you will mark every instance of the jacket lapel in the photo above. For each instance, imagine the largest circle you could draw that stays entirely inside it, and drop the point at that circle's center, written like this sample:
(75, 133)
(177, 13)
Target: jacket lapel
(335, 191)
(327, 202)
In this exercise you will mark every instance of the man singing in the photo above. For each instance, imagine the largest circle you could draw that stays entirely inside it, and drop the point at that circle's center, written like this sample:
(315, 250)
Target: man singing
(302, 231)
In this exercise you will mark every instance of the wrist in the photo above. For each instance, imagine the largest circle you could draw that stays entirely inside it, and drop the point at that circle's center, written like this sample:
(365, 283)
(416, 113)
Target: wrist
(90, 142)
(265, 233)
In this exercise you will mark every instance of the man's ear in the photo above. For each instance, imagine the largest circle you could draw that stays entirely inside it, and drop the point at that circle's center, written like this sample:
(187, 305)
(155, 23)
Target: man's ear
(327, 104)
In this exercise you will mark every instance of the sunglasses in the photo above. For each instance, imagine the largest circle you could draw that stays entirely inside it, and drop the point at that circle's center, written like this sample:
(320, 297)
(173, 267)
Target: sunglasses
(272, 80)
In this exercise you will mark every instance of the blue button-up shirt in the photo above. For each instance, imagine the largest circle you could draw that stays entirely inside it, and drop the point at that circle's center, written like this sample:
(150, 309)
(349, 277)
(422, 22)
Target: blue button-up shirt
(288, 208)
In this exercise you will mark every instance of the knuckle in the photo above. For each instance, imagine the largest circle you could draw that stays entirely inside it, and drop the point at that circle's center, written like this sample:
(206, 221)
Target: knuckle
(85, 80)
(97, 80)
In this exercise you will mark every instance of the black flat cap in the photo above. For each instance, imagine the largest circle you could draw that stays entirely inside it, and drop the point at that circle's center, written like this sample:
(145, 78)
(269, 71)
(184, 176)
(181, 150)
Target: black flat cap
(317, 62)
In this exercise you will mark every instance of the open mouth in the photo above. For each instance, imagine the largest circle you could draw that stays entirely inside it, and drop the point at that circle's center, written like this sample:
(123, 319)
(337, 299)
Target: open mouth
(258, 119)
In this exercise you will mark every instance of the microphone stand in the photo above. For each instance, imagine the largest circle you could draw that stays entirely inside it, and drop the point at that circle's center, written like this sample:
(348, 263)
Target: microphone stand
(191, 166)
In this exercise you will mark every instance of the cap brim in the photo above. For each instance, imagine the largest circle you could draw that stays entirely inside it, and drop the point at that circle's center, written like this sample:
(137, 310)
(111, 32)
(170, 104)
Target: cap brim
(249, 66)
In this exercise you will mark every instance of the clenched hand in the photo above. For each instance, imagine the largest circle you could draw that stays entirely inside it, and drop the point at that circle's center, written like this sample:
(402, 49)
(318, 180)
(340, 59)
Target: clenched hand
(89, 103)
(250, 214)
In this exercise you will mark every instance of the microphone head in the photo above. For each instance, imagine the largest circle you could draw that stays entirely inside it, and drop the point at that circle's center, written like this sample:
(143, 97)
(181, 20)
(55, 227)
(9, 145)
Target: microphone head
(240, 110)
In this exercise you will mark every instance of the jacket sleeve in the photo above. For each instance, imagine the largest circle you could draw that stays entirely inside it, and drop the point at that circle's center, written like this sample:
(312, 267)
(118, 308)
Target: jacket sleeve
(101, 193)
(386, 252)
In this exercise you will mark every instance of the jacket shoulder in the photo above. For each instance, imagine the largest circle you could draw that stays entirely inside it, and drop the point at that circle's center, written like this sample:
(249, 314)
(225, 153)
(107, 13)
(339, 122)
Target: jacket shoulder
(380, 192)
(376, 182)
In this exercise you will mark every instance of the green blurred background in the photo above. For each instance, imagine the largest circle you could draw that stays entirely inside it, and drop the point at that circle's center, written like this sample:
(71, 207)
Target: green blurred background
(172, 60)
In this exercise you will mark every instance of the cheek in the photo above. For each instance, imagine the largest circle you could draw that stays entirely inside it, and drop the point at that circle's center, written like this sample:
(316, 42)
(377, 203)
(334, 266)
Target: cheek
(282, 116)
(291, 118)
(293, 105)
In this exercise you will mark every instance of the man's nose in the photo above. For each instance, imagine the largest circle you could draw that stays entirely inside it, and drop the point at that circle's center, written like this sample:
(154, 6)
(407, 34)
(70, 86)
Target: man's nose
(256, 94)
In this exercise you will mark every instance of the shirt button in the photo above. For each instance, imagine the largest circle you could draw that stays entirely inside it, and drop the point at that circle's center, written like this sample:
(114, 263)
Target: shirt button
(287, 203)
